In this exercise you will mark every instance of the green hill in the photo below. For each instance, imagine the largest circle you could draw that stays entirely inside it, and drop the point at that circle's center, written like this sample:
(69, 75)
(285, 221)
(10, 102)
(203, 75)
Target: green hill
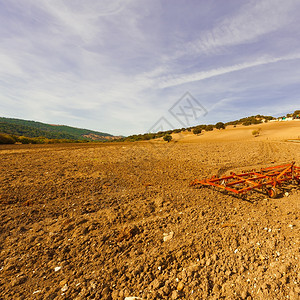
(34, 129)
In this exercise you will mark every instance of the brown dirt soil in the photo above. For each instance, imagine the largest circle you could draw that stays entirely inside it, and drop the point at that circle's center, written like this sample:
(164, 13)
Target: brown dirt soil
(117, 221)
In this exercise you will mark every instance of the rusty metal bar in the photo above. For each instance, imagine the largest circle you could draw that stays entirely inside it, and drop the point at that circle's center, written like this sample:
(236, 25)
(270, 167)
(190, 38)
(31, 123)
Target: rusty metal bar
(268, 178)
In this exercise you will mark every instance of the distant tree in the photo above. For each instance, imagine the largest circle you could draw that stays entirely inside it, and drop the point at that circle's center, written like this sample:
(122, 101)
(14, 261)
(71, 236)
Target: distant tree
(6, 139)
(197, 130)
(296, 114)
(167, 138)
(209, 128)
(247, 123)
(250, 120)
(220, 125)
(148, 136)
(177, 130)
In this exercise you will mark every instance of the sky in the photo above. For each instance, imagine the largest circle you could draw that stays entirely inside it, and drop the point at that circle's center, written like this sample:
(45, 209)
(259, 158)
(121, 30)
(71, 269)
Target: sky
(135, 66)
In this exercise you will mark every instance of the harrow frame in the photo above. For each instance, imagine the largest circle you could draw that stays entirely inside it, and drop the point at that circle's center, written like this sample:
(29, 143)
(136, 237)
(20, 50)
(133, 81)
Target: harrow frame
(267, 179)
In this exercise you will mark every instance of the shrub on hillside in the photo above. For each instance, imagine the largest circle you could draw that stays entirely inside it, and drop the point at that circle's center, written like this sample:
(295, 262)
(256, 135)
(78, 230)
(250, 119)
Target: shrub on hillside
(167, 138)
(6, 139)
(220, 125)
(296, 114)
(197, 130)
(256, 132)
(177, 130)
(209, 128)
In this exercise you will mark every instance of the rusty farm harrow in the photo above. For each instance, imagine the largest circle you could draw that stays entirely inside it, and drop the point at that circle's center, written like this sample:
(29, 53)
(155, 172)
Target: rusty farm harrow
(267, 180)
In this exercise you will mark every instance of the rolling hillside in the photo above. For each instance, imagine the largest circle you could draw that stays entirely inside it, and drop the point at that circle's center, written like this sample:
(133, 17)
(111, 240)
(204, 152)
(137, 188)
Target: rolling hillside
(33, 129)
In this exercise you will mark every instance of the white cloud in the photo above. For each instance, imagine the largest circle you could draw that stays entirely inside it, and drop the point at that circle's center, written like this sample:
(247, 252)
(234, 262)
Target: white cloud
(254, 20)
(8, 66)
(169, 82)
(81, 17)
(101, 63)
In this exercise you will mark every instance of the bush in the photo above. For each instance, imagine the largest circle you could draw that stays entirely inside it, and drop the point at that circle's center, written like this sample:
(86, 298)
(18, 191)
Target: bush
(209, 128)
(247, 123)
(256, 132)
(177, 130)
(197, 130)
(26, 140)
(220, 125)
(167, 138)
(6, 139)
(251, 121)
(296, 114)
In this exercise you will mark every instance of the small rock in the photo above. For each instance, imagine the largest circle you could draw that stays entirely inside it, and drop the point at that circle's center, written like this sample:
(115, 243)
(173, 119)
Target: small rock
(22, 229)
(106, 294)
(216, 288)
(156, 284)
(85, 230)
(56, 269)
(168, 236)
(184, 275)
(63, 282)
(286, 194)
(18, 280)
(174, 295)
(180, 286)
(105, 291)
(214, 257)
(64, 288)
(10, 266)
(283, 268)
(69, 227)
(244, 294)
(208, 262)
(128, 233)
(166, 290)
(115, 295)
(261, 257)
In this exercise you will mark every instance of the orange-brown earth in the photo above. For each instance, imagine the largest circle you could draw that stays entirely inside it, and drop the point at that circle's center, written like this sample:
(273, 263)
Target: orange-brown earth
(112, 221)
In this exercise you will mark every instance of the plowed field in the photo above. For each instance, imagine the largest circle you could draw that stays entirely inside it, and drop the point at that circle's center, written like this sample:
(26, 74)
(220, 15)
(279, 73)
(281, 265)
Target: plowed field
(120, 220)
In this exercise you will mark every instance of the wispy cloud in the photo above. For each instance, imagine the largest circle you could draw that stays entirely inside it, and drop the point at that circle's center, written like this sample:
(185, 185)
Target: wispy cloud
(254, 20)
(164, 83)
(117, 66)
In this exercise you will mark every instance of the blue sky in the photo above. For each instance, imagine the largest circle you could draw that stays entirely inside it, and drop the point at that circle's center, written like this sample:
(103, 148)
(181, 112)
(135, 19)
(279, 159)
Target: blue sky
(118, 66)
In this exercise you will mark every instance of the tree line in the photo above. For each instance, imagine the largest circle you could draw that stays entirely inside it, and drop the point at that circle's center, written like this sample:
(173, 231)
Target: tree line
(17, 131)
(32, 129)
(15, 139)
(166, 135)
